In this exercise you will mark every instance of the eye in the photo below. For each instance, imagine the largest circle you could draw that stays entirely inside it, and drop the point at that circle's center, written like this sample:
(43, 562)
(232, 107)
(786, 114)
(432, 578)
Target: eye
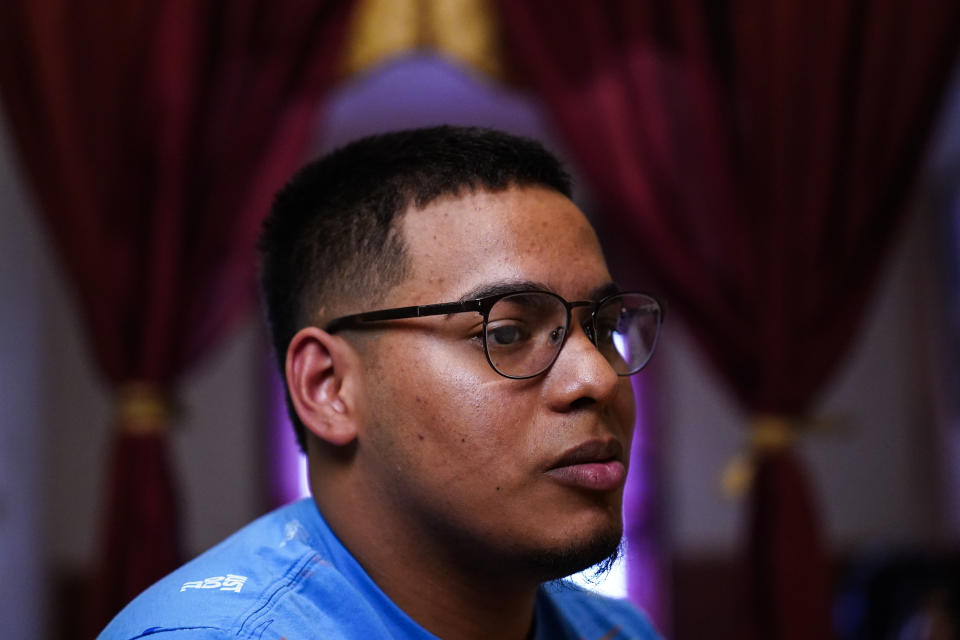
(605, 331)
(556, 336)
(506, 335)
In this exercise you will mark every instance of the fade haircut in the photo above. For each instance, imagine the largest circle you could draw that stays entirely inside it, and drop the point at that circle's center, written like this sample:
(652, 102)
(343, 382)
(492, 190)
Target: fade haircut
(332, 244)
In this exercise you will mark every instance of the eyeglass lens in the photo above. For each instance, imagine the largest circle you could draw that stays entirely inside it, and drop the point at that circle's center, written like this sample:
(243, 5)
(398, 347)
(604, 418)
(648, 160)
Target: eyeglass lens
(525, 332)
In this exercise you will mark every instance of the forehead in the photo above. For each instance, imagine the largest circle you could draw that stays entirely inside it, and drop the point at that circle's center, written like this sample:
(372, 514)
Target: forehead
(458, 244)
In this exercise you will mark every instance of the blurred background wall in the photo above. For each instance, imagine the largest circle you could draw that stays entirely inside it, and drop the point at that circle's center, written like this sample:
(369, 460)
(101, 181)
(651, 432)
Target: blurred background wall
(886, 474)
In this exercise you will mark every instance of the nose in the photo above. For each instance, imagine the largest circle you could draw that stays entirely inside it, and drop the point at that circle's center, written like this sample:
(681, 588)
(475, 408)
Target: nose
(581, 374)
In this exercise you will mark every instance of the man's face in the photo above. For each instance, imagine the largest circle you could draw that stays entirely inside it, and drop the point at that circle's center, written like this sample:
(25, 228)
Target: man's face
(473, 463)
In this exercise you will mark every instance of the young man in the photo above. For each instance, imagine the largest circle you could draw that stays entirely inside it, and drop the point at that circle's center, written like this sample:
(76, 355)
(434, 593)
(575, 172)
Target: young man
(456, 359)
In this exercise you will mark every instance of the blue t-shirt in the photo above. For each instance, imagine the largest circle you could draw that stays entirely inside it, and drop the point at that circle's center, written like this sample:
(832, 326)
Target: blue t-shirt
(287, 575)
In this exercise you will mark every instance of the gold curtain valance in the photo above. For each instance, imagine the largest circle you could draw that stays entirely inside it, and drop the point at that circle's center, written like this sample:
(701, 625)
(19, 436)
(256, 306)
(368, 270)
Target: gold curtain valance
(463, 30)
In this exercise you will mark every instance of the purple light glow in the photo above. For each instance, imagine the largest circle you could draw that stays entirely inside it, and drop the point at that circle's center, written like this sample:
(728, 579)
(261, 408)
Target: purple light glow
(286, 470)
(645, 575)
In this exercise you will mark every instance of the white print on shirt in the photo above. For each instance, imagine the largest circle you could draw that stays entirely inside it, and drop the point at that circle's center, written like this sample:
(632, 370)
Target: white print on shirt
(293, 530)
(228, 582)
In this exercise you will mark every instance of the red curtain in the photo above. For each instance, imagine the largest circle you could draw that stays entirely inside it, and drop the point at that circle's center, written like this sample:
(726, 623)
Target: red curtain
(154, 135)
(755, 159)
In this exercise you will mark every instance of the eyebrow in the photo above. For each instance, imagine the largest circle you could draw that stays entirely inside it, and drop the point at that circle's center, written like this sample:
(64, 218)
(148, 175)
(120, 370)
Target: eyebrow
(607, 289)
(512, 286)
(505, 286)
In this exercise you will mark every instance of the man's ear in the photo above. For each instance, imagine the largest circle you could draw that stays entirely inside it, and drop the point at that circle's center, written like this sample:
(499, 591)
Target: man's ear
(321, 372)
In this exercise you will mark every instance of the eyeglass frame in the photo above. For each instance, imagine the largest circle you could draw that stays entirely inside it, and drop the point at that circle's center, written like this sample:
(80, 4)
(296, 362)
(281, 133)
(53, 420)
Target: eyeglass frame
(484, 305)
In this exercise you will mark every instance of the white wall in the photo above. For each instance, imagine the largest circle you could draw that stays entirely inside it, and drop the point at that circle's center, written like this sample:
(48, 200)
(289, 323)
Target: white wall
(213, 446)
(22, 442)
(876, 477)
(891, 474)
(56, 411)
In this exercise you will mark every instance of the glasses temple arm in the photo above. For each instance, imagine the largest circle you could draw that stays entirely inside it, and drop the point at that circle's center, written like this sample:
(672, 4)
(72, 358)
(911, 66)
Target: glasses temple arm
(401, 313)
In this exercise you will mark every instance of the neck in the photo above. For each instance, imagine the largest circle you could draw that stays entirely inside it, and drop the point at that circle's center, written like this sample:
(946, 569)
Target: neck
(449, 593)
(450, 606)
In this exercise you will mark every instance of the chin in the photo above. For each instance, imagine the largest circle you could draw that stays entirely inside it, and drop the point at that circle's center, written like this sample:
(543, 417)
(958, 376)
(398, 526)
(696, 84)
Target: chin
(602, 548)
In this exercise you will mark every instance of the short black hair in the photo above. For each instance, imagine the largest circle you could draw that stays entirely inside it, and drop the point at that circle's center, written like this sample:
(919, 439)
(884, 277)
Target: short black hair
(332, 238)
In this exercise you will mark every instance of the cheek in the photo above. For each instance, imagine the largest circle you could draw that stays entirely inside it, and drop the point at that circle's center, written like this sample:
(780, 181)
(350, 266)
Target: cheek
(470, 423)
(445, 408)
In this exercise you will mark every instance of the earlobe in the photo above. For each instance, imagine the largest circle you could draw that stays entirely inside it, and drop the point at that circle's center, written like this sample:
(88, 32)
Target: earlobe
(318, 369)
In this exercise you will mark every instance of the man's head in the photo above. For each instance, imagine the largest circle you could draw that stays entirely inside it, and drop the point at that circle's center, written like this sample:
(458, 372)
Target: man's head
(332, 244)
(414, 438)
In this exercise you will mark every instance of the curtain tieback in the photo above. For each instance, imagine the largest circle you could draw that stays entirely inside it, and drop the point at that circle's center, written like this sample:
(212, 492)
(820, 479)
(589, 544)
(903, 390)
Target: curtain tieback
(142, 408)
(768, 433)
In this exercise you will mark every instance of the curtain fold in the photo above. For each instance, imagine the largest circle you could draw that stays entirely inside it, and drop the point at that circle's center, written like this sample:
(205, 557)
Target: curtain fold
(754, 159)
(154, 135)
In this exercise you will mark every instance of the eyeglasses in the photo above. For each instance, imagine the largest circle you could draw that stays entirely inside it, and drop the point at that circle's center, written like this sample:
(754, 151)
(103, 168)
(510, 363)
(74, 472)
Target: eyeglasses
(523, 331)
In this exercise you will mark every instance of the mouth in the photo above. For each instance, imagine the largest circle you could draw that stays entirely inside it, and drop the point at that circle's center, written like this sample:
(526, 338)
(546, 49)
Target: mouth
(595, 465)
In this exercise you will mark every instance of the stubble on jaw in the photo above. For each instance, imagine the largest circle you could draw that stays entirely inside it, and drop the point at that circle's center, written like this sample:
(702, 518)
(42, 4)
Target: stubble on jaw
(601, 552)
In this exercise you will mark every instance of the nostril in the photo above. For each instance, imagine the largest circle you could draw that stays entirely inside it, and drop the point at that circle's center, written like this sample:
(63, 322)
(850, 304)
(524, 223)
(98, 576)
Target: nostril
(583, 402)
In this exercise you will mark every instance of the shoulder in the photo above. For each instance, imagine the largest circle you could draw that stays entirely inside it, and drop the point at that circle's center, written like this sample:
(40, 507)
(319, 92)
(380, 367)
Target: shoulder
(270, 579)
(594, 616)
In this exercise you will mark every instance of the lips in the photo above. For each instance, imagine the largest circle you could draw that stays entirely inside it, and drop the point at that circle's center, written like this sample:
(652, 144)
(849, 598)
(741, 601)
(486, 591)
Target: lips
(595, 465)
